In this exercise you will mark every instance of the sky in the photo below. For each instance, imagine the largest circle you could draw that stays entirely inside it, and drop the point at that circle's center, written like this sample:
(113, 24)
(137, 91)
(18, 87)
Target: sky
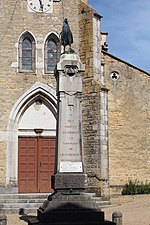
(128, 25)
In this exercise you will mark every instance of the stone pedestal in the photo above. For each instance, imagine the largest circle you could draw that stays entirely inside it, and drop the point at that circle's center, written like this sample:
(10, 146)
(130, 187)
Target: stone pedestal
(70, 208)
(69, 204)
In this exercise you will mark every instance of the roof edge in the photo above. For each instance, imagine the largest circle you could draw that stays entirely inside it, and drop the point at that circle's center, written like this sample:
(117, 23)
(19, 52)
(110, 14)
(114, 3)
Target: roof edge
(121, 60)
(96, 14)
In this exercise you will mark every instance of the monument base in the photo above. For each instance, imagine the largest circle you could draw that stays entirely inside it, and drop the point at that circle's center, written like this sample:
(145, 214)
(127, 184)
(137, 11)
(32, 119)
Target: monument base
(69, 181)
(69, 209)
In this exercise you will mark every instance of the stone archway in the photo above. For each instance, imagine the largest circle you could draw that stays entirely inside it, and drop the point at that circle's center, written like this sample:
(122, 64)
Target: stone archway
(37, 92)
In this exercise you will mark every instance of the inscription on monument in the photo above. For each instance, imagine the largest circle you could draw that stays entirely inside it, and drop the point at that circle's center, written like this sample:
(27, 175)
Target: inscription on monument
(71, 166)
(70, 154)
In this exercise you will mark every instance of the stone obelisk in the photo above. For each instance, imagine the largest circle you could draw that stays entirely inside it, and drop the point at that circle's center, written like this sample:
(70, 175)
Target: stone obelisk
(69, 174)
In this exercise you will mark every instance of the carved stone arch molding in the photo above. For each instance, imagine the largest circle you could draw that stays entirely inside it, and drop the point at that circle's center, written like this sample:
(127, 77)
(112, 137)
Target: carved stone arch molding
(37, 91)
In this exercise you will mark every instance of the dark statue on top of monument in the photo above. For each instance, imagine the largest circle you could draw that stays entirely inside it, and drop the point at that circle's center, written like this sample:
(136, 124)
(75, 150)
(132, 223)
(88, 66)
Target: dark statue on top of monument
(66, 36)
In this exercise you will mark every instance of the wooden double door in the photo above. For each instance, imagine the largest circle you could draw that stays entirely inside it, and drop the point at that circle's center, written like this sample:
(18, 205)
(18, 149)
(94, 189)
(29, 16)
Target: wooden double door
(36, 158)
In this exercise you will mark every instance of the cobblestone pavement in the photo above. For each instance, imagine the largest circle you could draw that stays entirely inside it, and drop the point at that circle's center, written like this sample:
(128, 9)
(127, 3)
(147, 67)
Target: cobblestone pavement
(135, 210)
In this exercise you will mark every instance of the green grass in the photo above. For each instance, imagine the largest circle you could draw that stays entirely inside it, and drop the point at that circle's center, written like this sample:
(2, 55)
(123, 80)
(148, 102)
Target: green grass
(136, 188)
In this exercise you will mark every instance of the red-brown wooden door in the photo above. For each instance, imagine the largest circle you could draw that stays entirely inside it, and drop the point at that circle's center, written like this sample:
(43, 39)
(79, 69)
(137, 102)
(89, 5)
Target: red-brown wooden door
(46, 164)
(35, 164)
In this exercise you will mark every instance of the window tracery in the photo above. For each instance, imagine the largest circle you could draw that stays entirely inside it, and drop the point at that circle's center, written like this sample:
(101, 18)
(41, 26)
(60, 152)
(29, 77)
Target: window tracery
(52, 52)
(27, 53)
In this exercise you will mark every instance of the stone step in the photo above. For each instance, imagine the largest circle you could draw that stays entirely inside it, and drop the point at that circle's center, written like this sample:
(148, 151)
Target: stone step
(20, 205)
(22, 200)
(24, 196)
(91, 194)
(19, 211)
(27, 203)
(101, 202)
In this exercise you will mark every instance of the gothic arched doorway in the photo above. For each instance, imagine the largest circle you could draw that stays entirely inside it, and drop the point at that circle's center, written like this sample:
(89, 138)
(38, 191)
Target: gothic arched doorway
(33, 130)
(36, 148)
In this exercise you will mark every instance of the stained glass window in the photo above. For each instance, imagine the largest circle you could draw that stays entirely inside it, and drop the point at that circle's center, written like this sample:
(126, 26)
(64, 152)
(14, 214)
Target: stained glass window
(52, 53)
(27, 53)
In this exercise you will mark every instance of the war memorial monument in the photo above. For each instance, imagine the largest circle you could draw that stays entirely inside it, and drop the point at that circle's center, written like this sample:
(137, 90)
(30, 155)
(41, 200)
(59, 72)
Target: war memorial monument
(69, 204)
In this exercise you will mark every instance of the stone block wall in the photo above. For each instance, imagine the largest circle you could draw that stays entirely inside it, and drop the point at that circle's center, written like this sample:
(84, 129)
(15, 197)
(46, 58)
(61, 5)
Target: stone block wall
(15, 19)
(2, 162)
(90, 100)
(129, 122)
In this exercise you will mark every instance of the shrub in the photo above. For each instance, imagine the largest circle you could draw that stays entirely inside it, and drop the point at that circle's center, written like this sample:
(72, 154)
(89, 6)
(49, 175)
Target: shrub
(134, 188)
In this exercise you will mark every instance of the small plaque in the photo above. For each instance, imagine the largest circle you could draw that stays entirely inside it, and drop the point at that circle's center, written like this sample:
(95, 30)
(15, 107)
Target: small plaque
(71, 167)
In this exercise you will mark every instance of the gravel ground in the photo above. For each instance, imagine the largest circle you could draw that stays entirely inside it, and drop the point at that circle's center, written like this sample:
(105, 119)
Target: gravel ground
(135, 211)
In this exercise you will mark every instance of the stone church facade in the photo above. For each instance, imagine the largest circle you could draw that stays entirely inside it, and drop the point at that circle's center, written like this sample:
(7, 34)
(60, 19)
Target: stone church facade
(115, 100)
